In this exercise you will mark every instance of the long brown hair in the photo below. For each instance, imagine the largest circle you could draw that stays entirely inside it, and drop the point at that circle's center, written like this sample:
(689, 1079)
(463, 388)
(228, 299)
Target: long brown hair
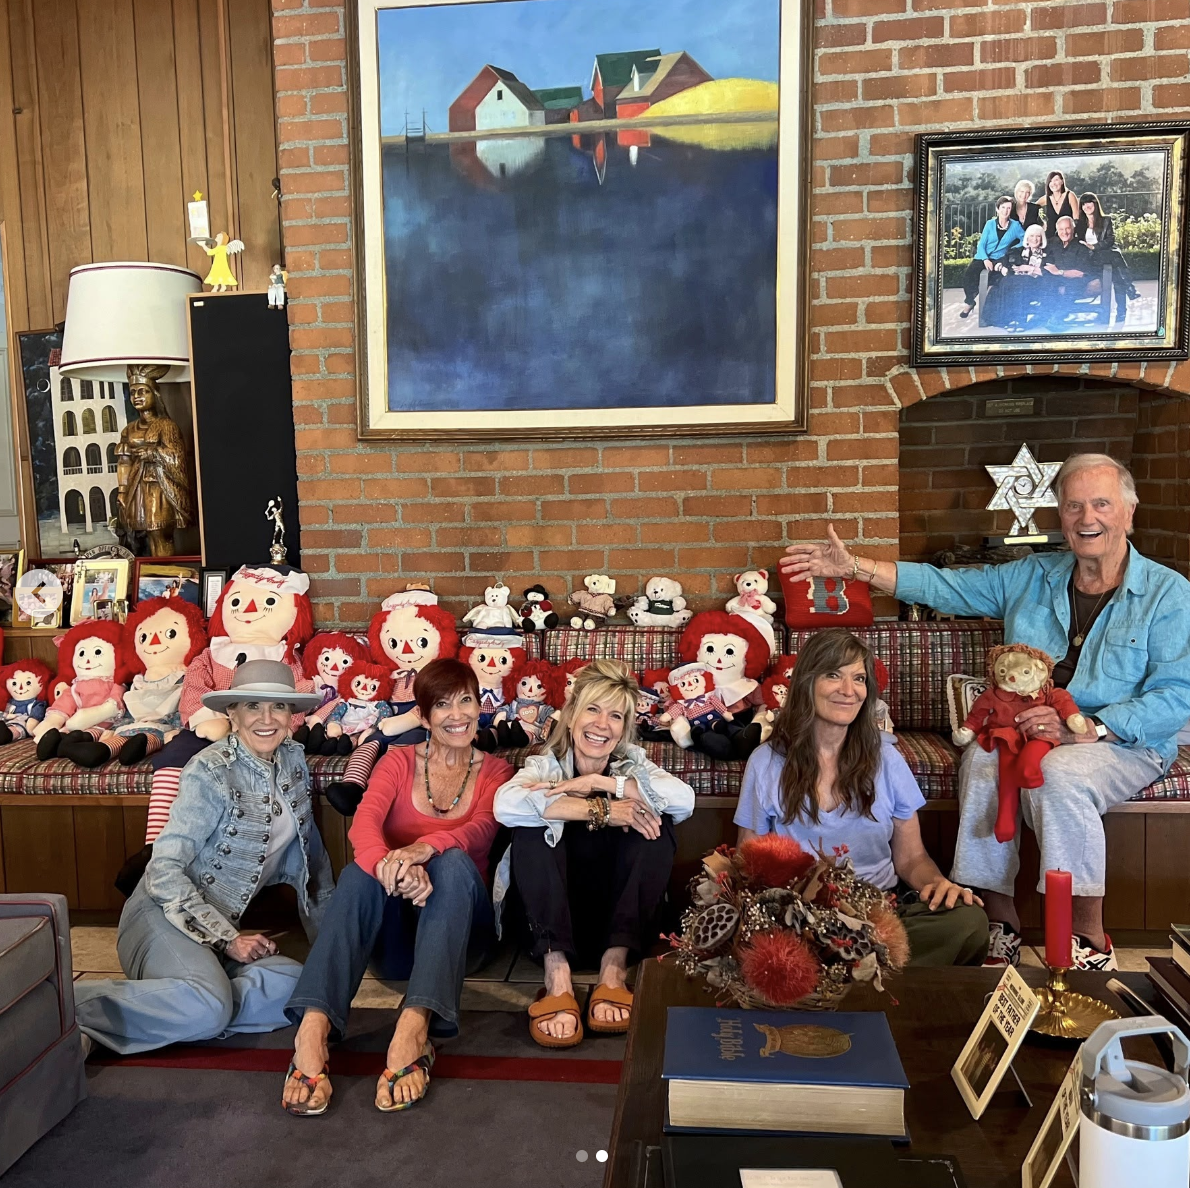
(793, 736)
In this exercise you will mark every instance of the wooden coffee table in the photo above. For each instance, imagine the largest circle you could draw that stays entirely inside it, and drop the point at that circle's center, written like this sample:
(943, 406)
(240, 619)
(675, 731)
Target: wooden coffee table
(935, 1012)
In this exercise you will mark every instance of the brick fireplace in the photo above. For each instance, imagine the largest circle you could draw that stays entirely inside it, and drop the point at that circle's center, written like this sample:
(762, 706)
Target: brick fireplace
(376, 514)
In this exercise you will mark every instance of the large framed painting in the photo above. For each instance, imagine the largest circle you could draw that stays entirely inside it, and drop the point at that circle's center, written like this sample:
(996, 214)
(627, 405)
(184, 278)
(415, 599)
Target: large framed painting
(1052, 245)
(581, 217)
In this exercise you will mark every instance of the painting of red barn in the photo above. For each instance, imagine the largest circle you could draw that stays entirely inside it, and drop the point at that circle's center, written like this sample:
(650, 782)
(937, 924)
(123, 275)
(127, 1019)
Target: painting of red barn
(581, 218)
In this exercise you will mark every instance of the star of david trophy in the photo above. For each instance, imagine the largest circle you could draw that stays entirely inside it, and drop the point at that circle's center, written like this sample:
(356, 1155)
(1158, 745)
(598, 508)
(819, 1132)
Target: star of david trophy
(1022, 488)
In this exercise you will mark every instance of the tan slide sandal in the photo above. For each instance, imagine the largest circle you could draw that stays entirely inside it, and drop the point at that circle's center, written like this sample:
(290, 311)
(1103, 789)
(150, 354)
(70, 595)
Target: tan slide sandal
(606, 994)
(546, 1008)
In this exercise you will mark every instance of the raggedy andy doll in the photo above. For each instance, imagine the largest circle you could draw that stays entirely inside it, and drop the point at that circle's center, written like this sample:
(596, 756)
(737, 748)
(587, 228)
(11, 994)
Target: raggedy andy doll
(27, 685)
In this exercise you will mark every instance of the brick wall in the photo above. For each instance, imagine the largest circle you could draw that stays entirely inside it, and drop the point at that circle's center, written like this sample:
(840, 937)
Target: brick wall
(374, 514)
(947, 441)
(1161, 466)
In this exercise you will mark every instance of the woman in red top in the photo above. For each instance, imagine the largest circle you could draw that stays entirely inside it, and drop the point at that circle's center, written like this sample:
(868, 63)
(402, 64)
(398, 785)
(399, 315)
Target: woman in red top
(415, 900)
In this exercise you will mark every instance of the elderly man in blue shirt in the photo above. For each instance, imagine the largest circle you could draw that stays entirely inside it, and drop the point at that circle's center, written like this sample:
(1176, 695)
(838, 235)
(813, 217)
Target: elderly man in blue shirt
(1118, 626)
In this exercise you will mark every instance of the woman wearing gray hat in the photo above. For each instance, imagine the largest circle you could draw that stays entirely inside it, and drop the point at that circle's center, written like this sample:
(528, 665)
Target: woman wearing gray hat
(243, 820)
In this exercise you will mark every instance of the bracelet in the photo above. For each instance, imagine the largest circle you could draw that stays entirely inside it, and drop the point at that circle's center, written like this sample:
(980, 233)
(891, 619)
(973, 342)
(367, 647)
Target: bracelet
(872, 576)
(598, 812)
(854, 568)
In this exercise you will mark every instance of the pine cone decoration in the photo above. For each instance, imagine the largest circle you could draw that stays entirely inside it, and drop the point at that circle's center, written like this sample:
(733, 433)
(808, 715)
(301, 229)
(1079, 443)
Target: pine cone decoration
(712, 927)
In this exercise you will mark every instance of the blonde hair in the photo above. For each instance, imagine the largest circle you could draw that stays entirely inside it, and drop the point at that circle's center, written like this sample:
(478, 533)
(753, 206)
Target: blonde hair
(1040, 234)
(1026, 183)
(603, 681)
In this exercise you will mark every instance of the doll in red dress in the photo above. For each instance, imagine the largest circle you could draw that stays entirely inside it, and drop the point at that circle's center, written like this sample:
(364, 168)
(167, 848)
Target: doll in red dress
(1018, 679)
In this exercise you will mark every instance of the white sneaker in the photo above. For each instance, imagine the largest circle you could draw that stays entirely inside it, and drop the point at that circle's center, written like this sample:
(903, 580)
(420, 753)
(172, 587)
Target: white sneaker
(1084, 956)
(1004, 945)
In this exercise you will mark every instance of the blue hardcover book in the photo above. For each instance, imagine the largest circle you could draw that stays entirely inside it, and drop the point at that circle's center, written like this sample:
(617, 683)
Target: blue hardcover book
(783, 1072)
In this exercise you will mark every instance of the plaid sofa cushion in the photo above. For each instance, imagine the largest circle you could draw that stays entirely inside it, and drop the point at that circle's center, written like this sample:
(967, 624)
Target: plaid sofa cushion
(933, 761)
(1174, 785)
(21, 772)
(920, 656)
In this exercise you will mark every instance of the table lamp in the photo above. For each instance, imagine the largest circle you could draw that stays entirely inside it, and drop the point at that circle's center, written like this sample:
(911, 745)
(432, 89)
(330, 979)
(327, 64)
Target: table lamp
(126, 323)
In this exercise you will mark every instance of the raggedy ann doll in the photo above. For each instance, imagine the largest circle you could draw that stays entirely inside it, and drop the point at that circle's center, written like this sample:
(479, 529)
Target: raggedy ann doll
(324, 660)
(733, 647)
(693, 708)
(564, 675)
(527, 704)
(495, 656)
(263, 613)
(362, 704)
(27, 686)
(1018, 679)
(408, 631)
(92, 657)
(161, 637)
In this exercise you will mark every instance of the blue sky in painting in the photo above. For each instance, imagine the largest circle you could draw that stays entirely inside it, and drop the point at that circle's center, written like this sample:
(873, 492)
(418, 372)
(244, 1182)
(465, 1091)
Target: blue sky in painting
(428, 55)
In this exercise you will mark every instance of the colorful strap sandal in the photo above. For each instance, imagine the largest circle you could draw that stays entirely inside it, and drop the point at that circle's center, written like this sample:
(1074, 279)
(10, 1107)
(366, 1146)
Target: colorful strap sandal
(425, 1062)
(547, 1008)
(618, 998)
(302, 1109)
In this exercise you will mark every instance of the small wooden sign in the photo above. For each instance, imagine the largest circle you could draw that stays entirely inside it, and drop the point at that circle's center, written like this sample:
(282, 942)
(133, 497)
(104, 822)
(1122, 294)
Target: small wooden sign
(1057, 1131)
(988, 1053)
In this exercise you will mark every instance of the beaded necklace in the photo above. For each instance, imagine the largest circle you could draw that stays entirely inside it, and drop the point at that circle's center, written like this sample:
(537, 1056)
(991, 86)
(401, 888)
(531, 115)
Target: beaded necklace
(430, 796)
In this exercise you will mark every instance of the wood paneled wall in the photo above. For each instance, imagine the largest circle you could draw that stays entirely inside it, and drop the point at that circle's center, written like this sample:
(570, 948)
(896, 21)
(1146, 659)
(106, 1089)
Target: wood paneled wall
(112, 113)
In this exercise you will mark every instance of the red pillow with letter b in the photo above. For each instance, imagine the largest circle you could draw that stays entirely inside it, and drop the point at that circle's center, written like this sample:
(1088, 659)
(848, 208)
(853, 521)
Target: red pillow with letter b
(826, 602)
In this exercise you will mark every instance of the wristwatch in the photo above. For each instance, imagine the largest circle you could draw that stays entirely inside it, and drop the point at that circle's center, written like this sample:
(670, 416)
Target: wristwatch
(620, 782)
(1100, 729)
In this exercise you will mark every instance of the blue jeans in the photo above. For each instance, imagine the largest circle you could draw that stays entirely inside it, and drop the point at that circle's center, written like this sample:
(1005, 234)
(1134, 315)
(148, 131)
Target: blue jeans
(433, 947)
(178, 991)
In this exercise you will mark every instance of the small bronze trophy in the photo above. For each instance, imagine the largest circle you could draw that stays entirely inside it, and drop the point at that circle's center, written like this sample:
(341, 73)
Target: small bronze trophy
(277, 550)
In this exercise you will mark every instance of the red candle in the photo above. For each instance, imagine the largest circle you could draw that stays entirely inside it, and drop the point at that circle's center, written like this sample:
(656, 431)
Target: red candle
(1058, 918)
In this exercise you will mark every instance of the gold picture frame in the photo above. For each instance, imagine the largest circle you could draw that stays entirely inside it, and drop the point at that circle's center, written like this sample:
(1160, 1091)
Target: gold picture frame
(97, 578)
(688, 329)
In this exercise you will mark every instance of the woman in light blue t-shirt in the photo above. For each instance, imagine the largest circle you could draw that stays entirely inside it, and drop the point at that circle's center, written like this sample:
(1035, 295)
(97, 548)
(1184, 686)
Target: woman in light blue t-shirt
(829, 778)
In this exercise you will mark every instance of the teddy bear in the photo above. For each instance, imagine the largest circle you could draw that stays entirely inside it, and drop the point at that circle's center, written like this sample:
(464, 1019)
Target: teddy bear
(263, 613)
(408, 631)
(161, 636)
(752, 589)
(495, 611)
(361, 704)
(1019, 677)
(538, 612)
(695, 705)
(661, 605)
(94, 661)
(496, 656)
(27, 684)
(527, 703)
(595, 602)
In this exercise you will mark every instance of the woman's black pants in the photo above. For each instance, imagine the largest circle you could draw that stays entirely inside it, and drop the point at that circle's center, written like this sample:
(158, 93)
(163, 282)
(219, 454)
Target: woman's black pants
(595, 890)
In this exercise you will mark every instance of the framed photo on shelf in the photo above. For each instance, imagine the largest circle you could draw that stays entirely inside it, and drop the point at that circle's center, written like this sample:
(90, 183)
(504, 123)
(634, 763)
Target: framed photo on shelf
(213, 581)
(617, 247)
(168, 577)
(96, 580)
(12, 565)
(1050, 245)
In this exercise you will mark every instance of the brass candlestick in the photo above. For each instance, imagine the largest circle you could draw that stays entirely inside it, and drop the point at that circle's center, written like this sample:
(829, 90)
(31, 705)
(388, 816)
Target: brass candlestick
(1065, 1014)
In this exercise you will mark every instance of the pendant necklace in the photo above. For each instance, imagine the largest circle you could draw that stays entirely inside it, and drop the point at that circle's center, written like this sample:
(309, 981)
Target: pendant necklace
(463, 788)
(1078, 631)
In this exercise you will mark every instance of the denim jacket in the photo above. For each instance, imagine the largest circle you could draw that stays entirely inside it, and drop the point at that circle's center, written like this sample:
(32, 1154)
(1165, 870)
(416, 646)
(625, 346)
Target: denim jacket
(1134, 669)
(206, 862)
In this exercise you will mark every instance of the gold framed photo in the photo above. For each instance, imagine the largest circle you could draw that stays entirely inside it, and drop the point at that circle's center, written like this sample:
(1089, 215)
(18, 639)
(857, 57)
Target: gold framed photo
(98, 579)
(608, 241)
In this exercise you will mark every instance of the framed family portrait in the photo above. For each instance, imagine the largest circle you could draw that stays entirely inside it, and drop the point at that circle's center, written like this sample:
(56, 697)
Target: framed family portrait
(98, 581)
(576, 218)
(1051, 245)
(168, 577)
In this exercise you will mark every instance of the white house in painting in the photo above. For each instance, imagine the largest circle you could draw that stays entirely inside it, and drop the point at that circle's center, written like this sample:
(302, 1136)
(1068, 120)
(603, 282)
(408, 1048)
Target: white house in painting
(496, 98)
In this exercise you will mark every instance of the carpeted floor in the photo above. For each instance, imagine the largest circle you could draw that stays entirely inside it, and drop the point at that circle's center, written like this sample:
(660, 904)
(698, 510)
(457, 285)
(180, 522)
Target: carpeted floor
(208, 1116)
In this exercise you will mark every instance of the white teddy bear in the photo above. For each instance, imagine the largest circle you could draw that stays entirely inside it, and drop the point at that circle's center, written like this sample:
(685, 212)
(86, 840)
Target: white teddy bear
(595, 602)
(661, 605)
(752, 595)
(495, 611)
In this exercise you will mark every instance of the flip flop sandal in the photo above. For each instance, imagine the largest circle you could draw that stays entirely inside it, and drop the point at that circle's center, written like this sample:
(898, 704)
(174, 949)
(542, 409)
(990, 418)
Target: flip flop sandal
(299, 1109)
(618, 998)
(557, 1004)
(425, 1062)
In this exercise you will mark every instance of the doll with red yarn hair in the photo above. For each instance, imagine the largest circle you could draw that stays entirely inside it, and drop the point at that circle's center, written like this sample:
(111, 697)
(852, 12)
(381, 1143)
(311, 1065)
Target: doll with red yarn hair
(93, 659)
(361, 705)
(27, 687)
(528, 712)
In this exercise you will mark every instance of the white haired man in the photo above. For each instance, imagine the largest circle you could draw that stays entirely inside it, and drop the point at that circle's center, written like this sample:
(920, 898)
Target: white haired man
(1119, 626)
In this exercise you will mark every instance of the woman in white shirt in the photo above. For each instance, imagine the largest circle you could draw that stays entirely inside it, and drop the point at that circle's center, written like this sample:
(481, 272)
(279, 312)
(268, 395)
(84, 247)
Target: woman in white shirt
(592, 848)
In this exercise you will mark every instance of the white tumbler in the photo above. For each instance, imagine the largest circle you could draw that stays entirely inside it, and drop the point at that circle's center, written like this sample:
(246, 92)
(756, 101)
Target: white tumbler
(1135, 1123)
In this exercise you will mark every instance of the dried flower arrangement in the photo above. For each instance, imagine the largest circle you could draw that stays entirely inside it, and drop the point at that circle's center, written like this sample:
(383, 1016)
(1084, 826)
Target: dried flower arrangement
(772, 926)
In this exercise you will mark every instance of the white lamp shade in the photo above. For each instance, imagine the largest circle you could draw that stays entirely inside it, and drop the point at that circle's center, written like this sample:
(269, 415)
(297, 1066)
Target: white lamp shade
(127, 312)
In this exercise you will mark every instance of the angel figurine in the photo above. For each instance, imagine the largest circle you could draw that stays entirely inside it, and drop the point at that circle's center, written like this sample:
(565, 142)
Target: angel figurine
(221, 277)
